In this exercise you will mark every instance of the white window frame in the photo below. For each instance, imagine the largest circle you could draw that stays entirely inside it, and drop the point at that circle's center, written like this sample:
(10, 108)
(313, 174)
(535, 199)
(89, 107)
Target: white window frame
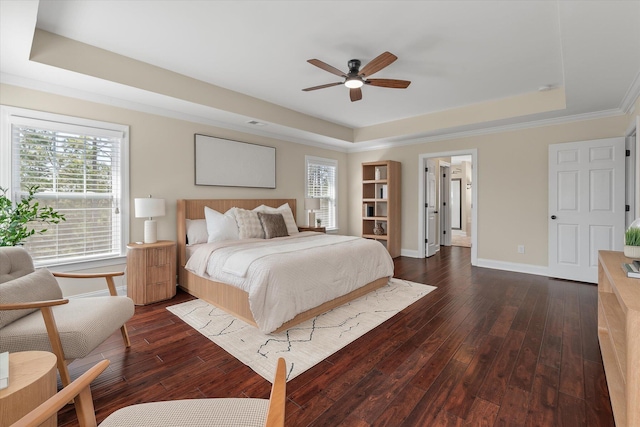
(9, 115)
(326, 162)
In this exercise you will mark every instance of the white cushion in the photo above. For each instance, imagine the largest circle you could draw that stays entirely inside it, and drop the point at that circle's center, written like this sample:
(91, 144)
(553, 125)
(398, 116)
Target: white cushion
(223, 412)
(285, 210)
(197, 231)
(220, 226)
(39, 285)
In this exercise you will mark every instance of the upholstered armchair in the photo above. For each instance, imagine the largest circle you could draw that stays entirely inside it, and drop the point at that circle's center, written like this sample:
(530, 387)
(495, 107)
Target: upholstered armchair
(223, 412)
(35, 316)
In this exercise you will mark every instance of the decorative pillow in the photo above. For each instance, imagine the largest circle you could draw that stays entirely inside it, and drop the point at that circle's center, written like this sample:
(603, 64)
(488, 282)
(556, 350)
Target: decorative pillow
(37, 286)
(249, 224)
(197, 231)
(273, 225)
(220, 226)
(285, 210)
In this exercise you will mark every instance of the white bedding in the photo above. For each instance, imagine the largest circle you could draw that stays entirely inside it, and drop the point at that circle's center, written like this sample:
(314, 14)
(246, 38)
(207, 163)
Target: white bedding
(306, 270)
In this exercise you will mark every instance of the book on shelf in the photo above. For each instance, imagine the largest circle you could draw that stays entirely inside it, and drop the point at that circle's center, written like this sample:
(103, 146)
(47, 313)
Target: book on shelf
(383, 192)
(4, 370)
(632, 270)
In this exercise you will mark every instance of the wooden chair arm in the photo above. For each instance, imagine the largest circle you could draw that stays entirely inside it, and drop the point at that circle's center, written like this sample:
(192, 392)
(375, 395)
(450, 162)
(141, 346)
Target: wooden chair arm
(107, 276)
(278, 398)
(34, 304)
(88, 275)
(84, 402)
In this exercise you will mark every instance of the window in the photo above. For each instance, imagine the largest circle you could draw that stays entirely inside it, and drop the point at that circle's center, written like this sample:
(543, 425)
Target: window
(322, 179)
(81, 170)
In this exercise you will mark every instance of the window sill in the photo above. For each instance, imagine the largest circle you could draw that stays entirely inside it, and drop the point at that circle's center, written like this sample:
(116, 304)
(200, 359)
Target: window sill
(86, 265)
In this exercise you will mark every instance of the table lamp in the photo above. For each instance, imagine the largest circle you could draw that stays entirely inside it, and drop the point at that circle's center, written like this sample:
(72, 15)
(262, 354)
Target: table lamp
(149, 208)
(311, 204)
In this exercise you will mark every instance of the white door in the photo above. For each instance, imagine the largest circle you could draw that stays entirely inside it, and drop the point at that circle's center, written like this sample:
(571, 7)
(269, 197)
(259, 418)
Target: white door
(586, 205)
(431, 207)
(445, 206)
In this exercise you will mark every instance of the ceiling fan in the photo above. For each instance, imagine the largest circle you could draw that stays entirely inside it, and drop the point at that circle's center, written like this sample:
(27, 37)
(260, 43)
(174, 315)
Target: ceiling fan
(356, 78)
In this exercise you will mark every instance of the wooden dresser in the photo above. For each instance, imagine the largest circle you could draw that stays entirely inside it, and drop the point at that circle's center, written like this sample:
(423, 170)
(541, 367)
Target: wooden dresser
(619, 335)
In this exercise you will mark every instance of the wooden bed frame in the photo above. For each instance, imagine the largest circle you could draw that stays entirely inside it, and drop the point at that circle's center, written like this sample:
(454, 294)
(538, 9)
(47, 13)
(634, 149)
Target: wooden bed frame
(229, 298)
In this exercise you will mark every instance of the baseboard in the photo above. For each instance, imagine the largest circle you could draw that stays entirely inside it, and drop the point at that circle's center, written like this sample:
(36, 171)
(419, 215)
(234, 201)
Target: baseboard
(121, 290)
(538, 270)
(409, 253)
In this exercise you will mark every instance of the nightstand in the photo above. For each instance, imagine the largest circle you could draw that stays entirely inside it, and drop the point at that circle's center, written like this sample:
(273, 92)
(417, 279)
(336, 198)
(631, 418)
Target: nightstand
(151, 271)
(317, 229)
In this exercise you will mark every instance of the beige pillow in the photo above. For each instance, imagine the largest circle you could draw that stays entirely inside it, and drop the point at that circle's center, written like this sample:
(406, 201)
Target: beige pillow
(273, 225)
(37, 286)
(285, 210)
(249, 225)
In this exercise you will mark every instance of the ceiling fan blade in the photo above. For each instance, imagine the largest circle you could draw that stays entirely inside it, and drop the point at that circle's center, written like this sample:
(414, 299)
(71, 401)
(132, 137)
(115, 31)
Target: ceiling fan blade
(326, 67)
(395, 84)
(378, 64)
(355, 94)
(322, 86)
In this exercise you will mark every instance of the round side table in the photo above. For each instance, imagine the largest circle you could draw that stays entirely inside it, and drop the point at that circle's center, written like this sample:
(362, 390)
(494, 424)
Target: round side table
(32, 380)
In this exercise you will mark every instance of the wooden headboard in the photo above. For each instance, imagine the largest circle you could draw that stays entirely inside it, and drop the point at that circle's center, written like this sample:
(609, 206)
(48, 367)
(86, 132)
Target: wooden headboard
(194, 209)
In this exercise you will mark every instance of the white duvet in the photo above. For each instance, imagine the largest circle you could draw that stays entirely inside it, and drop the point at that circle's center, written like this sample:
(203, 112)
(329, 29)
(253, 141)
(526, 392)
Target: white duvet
(289, 275)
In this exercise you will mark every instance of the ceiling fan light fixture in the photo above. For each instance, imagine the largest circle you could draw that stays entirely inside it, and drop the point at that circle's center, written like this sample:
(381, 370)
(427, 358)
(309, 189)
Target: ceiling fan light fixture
(353, 82)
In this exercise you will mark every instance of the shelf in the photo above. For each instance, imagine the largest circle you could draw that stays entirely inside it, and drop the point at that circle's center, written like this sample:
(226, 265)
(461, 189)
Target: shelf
(381, 202)
(376, 236)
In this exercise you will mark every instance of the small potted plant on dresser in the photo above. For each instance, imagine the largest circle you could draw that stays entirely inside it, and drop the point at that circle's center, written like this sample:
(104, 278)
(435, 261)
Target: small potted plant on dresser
(632, 240)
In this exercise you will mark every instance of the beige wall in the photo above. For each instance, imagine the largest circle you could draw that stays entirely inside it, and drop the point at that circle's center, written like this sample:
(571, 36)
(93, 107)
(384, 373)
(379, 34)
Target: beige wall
(161, 159)
(512, 185)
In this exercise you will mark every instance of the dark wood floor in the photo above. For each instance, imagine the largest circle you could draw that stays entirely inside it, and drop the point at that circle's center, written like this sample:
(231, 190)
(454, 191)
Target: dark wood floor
(487, 347)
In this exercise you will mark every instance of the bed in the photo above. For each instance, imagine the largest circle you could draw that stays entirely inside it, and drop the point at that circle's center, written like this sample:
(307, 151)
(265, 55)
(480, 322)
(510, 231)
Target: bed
(232, 298)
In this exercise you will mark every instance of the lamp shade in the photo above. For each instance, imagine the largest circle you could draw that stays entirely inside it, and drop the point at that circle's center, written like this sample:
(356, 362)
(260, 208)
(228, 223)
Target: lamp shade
(311, 204)
(148, 207)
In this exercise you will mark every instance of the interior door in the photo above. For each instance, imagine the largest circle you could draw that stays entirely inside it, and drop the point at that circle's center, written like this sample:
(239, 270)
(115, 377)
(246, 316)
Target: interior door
(586, 205)
(431, 207)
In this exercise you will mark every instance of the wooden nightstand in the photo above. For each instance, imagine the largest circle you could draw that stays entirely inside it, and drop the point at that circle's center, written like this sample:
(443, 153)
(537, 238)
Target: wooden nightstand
(317, 229)
(151, 271)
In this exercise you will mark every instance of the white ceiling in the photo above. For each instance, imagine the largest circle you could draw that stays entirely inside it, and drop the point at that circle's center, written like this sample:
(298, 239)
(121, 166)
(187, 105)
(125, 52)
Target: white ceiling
(456, 54)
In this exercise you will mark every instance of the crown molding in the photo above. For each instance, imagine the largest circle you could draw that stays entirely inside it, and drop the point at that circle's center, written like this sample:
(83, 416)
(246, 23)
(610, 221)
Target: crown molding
(489, 130)
(626, 107)
(38, 85)
(629, 101)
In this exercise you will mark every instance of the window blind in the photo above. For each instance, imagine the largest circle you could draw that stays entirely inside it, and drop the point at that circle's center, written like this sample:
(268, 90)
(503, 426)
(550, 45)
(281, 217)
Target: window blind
(321, 184)
(78, 172)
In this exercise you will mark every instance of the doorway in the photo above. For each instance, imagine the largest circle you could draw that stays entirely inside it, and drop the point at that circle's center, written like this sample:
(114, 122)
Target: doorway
(450, 162)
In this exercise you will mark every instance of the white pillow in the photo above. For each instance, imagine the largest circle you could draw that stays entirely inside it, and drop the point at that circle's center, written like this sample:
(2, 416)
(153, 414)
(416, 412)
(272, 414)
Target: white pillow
(285, 210)
(220, 226)
(197, 231)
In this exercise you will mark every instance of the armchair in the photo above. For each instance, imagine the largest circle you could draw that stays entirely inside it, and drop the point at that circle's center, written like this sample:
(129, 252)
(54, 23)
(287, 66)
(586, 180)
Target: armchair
(35, 316)
(223, 412)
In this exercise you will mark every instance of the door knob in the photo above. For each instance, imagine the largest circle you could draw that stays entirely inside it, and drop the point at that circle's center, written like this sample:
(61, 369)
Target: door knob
(553, 217)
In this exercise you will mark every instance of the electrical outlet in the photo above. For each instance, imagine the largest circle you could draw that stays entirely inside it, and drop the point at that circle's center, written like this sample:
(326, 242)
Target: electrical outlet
(520, 249)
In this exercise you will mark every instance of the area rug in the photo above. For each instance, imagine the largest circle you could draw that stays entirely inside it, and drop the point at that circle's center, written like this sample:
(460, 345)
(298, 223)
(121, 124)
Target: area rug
(308, 343)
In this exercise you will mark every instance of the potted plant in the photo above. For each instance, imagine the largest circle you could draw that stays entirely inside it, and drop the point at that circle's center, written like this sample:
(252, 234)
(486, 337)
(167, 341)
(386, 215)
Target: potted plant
(632, 242)
(15, 219)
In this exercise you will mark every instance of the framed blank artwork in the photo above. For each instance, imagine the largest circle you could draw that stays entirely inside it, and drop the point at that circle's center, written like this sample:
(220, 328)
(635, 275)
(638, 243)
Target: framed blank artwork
(228, 163)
